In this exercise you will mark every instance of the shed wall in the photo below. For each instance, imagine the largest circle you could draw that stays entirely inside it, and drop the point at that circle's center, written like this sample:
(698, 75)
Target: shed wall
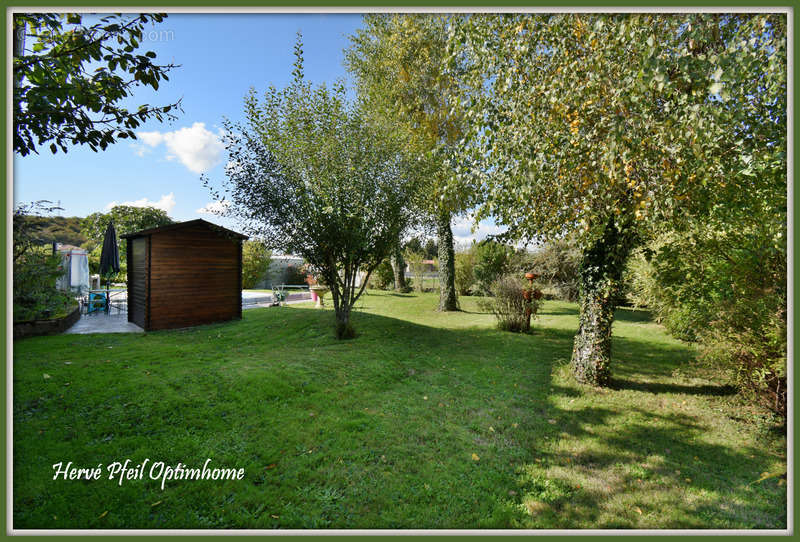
(137, 281)
(195, 278)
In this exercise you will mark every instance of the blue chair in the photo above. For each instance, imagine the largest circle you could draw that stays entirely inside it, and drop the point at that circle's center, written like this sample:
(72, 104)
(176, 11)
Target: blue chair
(97, 302)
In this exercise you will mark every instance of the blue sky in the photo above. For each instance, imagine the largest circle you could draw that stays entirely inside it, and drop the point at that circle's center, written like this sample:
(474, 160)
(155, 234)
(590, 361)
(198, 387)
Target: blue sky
(220, 56)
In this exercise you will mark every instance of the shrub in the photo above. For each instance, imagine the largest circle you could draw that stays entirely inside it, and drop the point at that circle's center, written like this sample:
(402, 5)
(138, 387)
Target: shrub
(465, 277)
(558, 263)
(509, 304)
(256, 258)
(414, 260)
(35, 293)
(294, 275)
(726, 291)
(36, 269)
(491, 262)
(383, 276)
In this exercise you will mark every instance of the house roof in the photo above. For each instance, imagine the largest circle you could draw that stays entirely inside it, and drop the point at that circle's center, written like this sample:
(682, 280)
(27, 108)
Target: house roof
(180, 225)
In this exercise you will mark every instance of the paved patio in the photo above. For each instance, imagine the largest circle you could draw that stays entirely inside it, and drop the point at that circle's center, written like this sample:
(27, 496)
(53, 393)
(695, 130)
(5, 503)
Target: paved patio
(100, 322)
(116, 321)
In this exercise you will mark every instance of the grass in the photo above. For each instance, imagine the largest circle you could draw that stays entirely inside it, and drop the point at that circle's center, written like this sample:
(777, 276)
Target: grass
(380, 431)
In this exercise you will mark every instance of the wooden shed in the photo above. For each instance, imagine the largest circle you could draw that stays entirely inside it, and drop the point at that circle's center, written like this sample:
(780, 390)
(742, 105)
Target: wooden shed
(183, 275)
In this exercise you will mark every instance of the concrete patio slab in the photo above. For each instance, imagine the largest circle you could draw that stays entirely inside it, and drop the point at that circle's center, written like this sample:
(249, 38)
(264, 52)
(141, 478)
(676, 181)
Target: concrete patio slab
(100, 322)
(117, 320)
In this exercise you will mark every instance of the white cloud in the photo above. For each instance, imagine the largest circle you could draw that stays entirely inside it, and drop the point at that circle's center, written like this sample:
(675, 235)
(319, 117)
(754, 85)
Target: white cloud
(140, 150)
(150, 138)
(465, 231)
(197, 148)
(166, 203)
(214, 208)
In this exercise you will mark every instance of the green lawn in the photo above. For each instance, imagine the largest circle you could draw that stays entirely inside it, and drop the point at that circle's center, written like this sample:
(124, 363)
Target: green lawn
(380, 431)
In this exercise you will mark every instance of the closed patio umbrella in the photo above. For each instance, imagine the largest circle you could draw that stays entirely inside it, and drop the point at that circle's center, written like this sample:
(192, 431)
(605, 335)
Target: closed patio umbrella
(109, 256)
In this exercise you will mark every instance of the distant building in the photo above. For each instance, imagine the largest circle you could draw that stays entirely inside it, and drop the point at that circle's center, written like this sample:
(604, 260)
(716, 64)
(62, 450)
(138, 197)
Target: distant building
(75, 263)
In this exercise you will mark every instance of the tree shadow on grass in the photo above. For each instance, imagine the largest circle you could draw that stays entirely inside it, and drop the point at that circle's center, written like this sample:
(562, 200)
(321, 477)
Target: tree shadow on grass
(645, 468)
(653, 387)
(629, 314)
(380, 436)
(622, 314)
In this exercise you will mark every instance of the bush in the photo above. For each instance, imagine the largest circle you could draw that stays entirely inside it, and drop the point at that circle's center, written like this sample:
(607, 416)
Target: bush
(726, 291)
(465, 277)
(35, 294)
(383, 276)
(491, 262)
(294, 275)
(256, 258)
(558, 264)
(414, 261)
(509, 304)
(36, 269)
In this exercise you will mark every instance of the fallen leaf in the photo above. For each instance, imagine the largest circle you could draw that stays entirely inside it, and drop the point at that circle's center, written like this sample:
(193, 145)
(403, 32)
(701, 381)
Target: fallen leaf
(46, 376)
(491, 429)
(425, 397)
(515, 425)
(156, 504)
(274, 516)
(475, 457)
(639, 510)
(688, 480)
(271, 466)
(552, 422)
(102, 515)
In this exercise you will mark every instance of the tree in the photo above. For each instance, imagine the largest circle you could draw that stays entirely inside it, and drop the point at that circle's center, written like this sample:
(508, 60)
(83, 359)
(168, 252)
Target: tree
(398, 63)
(312, 177)
(127, 219)
(70, 83)
(399, 267)
(256, 258)
(610, 125)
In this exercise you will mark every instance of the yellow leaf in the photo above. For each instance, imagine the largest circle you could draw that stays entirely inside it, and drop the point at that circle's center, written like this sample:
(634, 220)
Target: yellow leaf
(102, 515)
(156, 504)
(639, 510)
(491, 429)
(46, 376)
(475, 457)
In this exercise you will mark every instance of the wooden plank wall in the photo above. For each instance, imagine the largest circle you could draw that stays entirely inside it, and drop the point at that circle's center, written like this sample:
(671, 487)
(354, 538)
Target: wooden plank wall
(137, 281)
(195, 276)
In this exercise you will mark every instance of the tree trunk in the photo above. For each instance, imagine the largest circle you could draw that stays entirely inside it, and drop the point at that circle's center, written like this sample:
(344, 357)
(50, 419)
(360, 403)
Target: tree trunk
(447, 266)
(344, 328)
(399, 267)
(600, 275)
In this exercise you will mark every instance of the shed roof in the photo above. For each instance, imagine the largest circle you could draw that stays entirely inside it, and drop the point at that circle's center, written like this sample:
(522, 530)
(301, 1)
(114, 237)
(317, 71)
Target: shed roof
(187, 224)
